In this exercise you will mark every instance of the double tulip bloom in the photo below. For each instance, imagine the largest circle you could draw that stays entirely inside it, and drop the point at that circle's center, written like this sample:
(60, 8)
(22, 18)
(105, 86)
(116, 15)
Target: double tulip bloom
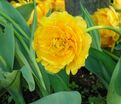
(61, 42)
(107, 17)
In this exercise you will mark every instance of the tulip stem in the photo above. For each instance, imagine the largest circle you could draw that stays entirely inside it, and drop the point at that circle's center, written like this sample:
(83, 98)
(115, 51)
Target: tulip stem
(111, 54)
(117, 30)
(118, 10)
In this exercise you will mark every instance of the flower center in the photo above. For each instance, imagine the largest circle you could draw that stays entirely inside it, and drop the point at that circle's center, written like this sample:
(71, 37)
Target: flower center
(61, 45)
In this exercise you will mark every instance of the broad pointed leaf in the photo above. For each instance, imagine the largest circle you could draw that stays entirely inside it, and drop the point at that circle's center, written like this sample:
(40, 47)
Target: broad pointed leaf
(114, 90)
(7, 45)
(61, 98)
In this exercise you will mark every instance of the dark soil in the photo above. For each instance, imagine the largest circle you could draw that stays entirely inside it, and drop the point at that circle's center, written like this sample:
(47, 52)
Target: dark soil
(89, 86)
(28, 96)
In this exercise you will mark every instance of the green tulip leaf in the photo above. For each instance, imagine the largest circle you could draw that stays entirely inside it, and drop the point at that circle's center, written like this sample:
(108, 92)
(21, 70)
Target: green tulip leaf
(26, 10)
(28, 77)
(101, 64)
(71, 97)
(7, 45)
(12, 15)
(114, 90)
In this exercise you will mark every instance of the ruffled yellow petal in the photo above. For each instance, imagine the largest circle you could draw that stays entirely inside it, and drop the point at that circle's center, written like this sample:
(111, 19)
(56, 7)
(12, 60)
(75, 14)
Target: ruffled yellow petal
(61, 41)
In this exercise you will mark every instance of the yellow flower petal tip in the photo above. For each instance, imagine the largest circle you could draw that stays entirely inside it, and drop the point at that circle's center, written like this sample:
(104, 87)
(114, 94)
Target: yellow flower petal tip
(58, 5)
(107, 17)
(60, 41)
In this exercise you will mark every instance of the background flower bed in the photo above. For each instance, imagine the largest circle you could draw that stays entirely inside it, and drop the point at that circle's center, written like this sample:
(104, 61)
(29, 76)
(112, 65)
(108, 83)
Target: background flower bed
(85, 82)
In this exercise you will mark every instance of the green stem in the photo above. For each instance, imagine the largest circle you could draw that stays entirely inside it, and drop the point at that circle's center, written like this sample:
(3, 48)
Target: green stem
(14, 23)
(112, 55)
(34, 25)
(117, 30)
(21, 41)
(118, 10)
